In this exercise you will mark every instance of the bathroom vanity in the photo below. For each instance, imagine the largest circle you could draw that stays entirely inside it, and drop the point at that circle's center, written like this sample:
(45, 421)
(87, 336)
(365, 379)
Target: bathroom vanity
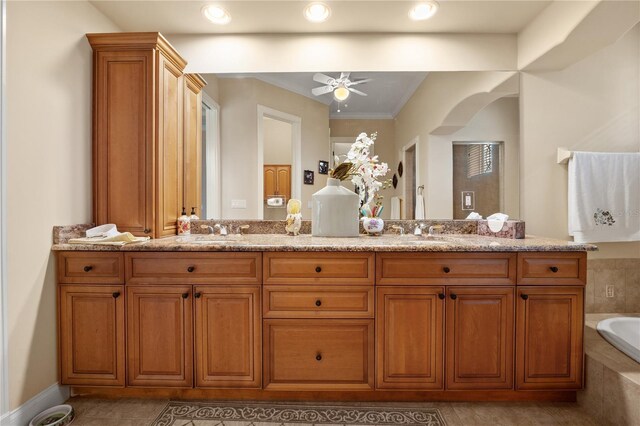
(276, 317)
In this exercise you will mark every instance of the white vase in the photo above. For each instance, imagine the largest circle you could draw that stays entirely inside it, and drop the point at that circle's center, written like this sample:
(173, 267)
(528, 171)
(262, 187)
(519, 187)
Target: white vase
(335, 211)
(373, 225)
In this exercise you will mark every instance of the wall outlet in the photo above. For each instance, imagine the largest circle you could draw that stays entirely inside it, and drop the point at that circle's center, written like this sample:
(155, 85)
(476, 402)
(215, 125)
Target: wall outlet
(610, 290)
(238, 204)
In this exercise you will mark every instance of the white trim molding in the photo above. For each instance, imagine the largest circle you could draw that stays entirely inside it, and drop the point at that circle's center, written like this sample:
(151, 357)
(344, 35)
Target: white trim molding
(296, 153)
(55, 394)
(212, 160)
(4, 363)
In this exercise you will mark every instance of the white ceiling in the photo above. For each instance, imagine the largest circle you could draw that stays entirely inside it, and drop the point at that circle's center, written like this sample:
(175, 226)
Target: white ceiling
(386, 94)
(184, 17)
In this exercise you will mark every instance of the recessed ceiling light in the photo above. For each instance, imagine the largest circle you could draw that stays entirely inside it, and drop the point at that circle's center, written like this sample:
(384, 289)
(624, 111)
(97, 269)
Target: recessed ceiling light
(216, 14)
(317, 12)
(424, 10)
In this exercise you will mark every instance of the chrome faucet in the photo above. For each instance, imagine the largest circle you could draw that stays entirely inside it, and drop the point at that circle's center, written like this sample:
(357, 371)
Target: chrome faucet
(222, 229)
(209, 228)
(398, 228)
(433, 228)
(419, 228)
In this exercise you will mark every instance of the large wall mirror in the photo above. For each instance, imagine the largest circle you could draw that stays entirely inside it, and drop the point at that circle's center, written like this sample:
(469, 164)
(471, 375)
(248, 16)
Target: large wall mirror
(270, 137)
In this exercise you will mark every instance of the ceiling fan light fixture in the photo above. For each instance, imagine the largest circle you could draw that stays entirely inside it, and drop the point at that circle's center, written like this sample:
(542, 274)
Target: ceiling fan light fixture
(216, 14)
(341, 93)
(317, 12)
(424, 10)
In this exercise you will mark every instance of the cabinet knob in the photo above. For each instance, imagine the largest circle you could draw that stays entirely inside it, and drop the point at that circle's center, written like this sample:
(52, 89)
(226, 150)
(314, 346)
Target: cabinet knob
(446, 269)
(185, 295)
(554, 269)
(319, 357)
(441, 296)
(454, 296)
(318, 269)
(191, 268)
(318, 302)
(88, 268)
(524, 296)
(197, 295)
(115, 294)
(146, 230)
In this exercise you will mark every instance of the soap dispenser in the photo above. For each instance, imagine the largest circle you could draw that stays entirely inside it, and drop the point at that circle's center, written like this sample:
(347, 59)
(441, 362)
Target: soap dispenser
(184, 223)
(193, 216)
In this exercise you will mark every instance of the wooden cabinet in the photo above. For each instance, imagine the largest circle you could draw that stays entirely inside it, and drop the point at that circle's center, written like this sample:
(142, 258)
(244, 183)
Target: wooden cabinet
(409, 337)
(228, 337)
(319, 268)
(277, 181)
(193, 85)
(479, 330)
(91, 321)
(550, 325)
(159, 336)
(138, 124)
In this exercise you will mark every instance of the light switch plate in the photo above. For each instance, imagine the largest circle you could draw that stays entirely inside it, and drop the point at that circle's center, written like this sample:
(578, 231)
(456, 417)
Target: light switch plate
(238, 204)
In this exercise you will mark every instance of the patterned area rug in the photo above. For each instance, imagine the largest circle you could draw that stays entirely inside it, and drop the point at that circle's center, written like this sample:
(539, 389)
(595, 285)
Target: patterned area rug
(180, 413)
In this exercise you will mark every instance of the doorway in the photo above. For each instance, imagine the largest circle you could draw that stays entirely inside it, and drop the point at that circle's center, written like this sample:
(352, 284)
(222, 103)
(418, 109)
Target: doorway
(211, 187)
(409, 156)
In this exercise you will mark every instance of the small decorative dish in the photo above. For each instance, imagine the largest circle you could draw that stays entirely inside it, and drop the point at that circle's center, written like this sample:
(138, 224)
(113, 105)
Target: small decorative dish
(60, 415)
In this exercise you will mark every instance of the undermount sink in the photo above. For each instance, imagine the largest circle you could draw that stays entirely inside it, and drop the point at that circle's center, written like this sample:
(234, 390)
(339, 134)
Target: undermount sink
(209, 239)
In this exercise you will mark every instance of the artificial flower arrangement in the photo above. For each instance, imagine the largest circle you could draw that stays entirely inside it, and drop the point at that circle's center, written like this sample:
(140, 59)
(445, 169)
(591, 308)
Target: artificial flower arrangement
(365, 173)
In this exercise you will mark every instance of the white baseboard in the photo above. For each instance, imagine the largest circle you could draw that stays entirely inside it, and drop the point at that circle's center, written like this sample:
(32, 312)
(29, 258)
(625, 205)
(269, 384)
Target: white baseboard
(55, 394)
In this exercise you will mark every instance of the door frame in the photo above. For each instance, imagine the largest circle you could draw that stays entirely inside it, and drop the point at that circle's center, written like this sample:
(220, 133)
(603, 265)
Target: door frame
(211, 157)
(296, 153)
(4, 364)
(415, 142)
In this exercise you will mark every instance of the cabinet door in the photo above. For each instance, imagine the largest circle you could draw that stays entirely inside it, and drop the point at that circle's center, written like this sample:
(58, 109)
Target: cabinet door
(169, 146)
(192, 144)
(122, 140)
(91, 320)
(550, 322)
(284, 181)
(228, 337)
(159, 336)
(480, 338)
(409, 337)
(270, 181)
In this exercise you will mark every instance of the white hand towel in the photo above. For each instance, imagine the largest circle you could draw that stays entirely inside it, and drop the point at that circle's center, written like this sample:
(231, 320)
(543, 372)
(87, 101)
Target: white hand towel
(395, 208)
(604, 197)
(419, 207)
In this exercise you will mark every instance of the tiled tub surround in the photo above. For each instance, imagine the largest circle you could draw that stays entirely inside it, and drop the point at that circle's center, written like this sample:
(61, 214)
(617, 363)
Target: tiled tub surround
(623, 275)
(612, 379)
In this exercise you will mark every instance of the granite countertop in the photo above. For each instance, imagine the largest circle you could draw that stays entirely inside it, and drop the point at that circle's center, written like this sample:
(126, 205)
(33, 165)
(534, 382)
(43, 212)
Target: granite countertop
(387, 242)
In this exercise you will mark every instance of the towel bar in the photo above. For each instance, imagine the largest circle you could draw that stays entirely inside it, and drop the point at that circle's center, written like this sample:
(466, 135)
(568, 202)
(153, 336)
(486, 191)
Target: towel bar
(564, 155)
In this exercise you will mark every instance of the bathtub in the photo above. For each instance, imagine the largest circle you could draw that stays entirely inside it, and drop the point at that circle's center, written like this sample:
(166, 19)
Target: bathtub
(623, 333)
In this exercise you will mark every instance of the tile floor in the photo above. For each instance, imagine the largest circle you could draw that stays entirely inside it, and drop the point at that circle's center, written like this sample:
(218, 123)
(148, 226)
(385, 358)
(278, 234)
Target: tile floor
(139, 412)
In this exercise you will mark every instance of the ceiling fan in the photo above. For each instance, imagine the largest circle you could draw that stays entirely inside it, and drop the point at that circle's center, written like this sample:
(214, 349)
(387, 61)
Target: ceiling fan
(341, 86)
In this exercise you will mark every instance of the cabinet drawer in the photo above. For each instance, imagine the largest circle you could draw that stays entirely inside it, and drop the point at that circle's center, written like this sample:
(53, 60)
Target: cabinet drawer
(318, 354)
(445, 268)
(552, 268)
(90, 267)
(318, 268)
(318, 301)
(198, 268)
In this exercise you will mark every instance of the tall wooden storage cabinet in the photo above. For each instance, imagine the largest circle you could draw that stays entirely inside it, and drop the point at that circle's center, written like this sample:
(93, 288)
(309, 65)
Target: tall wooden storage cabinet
(139, 129)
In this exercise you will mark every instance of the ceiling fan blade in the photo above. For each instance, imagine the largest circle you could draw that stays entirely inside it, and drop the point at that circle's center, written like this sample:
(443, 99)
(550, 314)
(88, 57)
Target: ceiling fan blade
(322, 90)
(357, 92)
(344, 75)
(354, 82)
(322, 78)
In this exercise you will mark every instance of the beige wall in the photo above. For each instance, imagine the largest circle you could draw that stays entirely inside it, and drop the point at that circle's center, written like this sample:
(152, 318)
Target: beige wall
(49, 171)
(384, 146)
(277, 141)
(592, 105)
(211, 88)
(239, 99)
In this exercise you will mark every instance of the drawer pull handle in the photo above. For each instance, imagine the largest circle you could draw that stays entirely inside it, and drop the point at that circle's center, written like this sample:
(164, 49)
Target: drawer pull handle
(319, 357)
(116, 294)
(441, 296)
(318, 302)
(554, 269)
(87, 268)
(524, 296)
(454, 296)
(197, 295)
(185, 295)
(318, 269)
(446, 269)
(191, 268)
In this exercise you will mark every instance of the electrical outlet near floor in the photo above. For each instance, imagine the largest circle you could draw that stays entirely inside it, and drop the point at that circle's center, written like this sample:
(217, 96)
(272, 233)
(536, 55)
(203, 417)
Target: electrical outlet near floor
(610, 290)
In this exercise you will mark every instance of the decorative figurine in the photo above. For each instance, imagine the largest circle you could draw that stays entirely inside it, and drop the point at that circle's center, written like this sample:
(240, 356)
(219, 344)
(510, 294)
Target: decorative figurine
(294, 217)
